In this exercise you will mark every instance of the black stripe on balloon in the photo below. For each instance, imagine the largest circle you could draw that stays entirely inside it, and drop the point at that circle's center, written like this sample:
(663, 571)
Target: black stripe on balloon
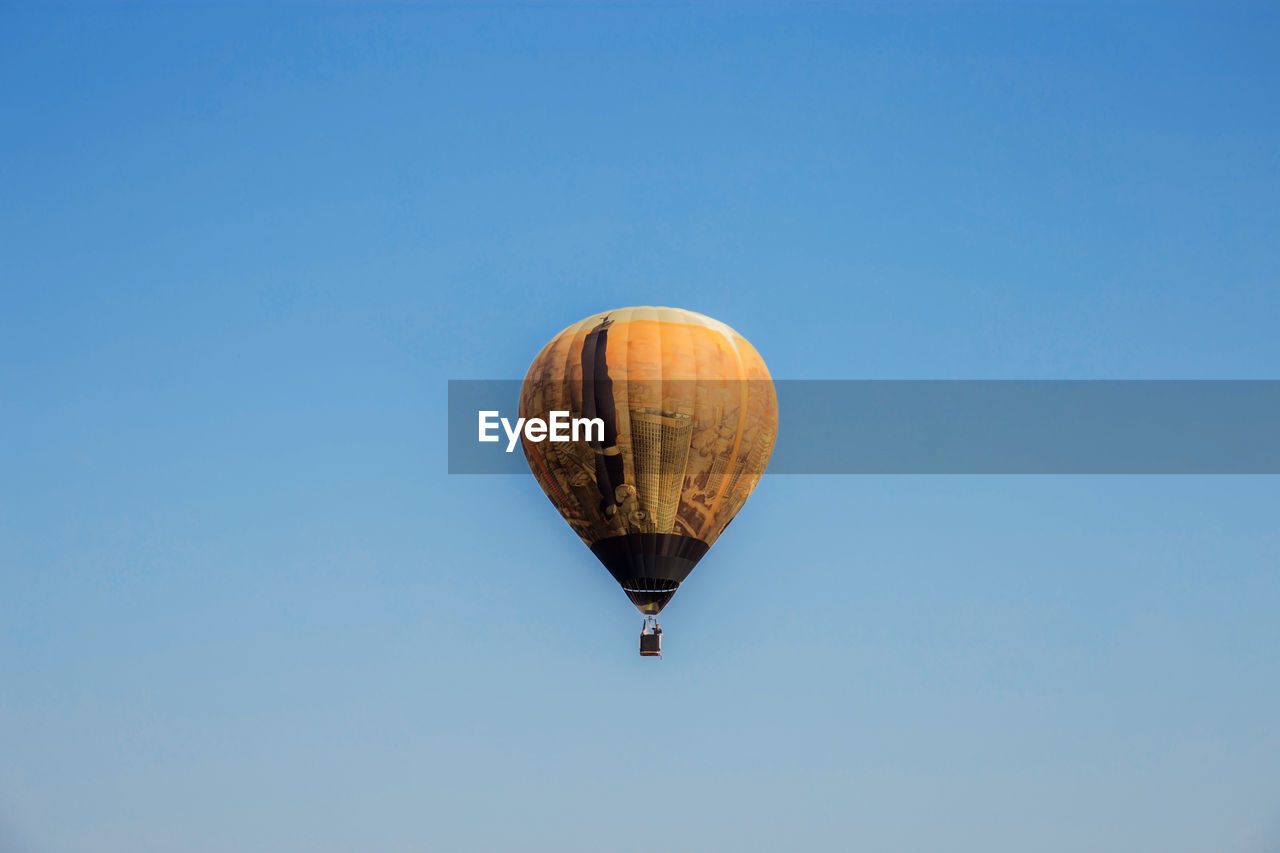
(597, 402)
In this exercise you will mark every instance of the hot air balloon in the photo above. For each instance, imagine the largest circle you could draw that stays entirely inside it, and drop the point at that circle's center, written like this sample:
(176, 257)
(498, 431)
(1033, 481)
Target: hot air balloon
(688, 416)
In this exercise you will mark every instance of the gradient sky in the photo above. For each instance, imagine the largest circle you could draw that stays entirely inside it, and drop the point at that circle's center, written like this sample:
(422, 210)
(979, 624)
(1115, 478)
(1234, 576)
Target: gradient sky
(244, 608)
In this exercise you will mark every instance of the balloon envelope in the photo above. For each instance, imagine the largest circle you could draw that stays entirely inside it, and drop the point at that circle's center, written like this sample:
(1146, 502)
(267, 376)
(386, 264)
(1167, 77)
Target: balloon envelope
(683, 416)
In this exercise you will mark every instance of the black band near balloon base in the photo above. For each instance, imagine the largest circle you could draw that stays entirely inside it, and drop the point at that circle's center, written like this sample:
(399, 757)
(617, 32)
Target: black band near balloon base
(649, 566)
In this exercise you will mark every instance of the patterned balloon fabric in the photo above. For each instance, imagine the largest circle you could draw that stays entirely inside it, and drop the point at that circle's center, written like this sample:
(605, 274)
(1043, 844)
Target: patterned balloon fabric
(689, 417)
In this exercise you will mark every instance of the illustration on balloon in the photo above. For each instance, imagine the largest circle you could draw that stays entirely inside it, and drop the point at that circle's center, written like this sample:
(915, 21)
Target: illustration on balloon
(690, 416)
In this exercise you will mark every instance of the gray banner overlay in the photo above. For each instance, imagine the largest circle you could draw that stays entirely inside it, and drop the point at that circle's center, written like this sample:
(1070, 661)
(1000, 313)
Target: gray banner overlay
(970, 427)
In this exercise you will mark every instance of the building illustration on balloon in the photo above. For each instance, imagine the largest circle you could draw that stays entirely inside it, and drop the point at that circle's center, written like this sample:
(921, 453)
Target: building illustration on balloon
(690, 418)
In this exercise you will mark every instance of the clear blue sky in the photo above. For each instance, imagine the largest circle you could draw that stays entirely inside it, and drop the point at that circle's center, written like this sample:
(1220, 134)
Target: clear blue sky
(244, 608)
